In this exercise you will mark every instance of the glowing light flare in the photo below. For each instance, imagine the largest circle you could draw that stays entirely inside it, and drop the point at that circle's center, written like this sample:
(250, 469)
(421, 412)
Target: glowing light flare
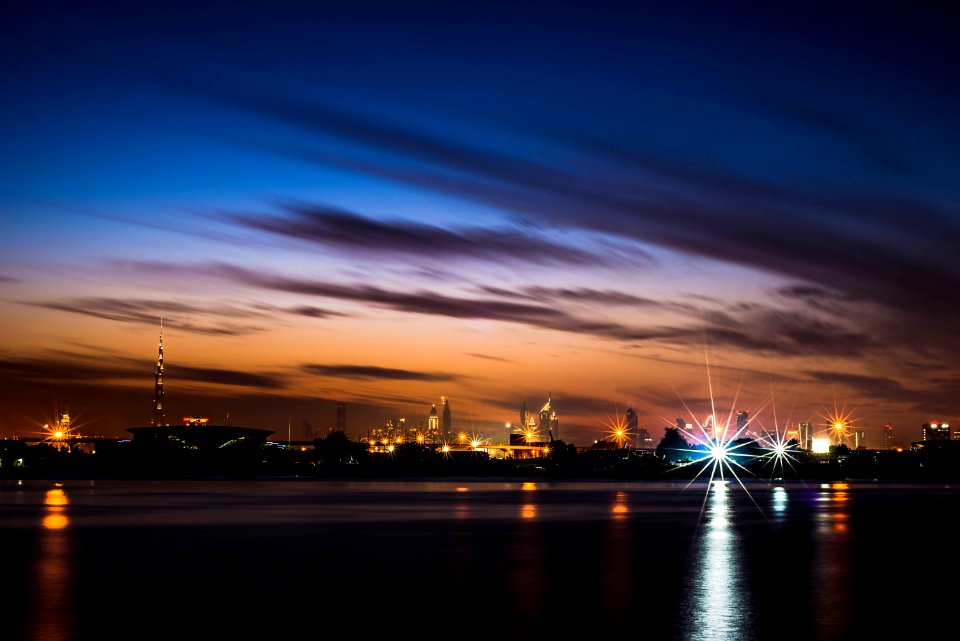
(820, 445)
(839, 425)
(618, 430)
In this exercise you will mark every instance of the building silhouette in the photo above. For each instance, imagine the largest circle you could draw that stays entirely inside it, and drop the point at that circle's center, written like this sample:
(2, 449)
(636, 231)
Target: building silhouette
(633, 421)
(341, 423)
(889, 439)
(742, 419)
(447, 424)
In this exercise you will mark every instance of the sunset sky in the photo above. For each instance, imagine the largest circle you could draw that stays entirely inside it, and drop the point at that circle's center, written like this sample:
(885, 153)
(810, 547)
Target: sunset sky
(383, 203)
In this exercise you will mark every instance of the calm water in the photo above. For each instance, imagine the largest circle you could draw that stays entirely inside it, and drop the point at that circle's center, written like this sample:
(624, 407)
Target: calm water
(470, 559)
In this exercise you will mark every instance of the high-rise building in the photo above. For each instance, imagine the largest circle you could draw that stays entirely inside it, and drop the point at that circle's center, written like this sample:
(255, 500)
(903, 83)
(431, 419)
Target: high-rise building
(936, 431)
(742, 419)
(447, 424)
(644, 440)
(633, 422)
(433, 426)
(549, 423)
(806, 435)
(859, 437)
(889, 439)
(681, 424)
(159, 414)
(341, 424)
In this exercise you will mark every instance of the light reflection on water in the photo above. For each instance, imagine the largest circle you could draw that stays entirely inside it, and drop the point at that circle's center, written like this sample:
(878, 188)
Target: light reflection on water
(51, 613)
(831, 563)
(617, 578)
(717, 589)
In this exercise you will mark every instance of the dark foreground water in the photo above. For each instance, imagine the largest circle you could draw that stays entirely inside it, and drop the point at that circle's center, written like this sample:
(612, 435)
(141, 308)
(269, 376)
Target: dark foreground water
(469, 559)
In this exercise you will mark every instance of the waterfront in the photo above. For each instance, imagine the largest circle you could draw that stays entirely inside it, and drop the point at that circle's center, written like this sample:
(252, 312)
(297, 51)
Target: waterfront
(474, 559)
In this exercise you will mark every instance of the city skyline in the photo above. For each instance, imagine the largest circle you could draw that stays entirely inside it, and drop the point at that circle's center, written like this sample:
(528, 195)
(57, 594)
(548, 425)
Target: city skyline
(383, 206)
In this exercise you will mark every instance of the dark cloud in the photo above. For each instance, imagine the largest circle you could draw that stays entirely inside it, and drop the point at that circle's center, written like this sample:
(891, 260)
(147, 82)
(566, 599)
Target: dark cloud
(148, 312)
(893, 249)
(346, 231)
(268, 381)
(488, 357)
(370, 372)
(7, 279)
(754, 328)
(933, 395)
(83, 369)
(582, 294)
(45, 371)
(313, 312)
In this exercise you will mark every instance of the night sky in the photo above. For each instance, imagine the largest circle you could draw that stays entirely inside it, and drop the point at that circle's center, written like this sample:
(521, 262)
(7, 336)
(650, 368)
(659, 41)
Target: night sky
(386, 203)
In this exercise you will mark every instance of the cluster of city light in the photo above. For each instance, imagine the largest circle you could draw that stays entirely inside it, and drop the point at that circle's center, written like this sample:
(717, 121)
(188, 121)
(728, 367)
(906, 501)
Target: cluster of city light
(717, 449)
(59, 433)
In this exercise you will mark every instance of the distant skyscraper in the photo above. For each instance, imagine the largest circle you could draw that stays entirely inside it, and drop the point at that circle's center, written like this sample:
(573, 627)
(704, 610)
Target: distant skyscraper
(806, 435)
(159, 415)
(644, 440)
(633, 422)
(341, 424)
(936, 431)
(859, 437)
(742, 419)
(549, 423)
(524, 416)
(447, 421)
(889, 439)
(433, 426)
(681, 424)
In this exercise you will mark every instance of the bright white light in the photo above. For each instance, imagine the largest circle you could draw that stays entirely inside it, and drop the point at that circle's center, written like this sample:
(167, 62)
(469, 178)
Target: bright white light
(821, 445)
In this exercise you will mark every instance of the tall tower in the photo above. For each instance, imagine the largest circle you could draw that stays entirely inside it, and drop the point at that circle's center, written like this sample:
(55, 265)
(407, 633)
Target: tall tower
(433, 426)
(889, 440)
(159, 417)
(549, 423)
(742, 419)
(341, 424)
(633, 421)
(447, 423)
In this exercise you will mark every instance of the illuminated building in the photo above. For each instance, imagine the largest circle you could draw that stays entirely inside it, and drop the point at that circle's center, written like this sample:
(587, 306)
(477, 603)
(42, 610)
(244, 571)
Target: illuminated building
(159, 417)
(447, 421)
(433, 424)
(341, 424)
(806, 435)
(633, 422)
(549, 423)
(889, 439)
(955, 434)
(196, 433)
(936, 431)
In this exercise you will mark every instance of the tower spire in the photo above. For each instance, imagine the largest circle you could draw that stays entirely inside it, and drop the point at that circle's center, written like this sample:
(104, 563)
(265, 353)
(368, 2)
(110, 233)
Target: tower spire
(159, 417)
